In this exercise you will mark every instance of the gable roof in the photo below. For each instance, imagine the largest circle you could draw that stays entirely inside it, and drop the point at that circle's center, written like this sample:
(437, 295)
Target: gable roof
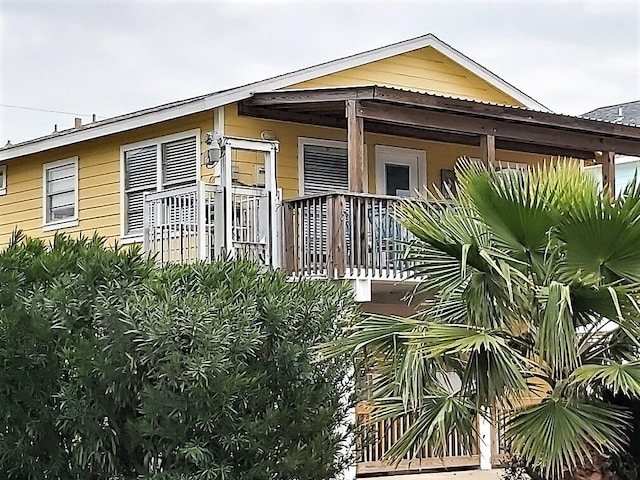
(202, 103)
(627, 113)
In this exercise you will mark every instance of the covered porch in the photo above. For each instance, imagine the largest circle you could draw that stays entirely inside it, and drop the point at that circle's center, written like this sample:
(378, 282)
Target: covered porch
(350, 233)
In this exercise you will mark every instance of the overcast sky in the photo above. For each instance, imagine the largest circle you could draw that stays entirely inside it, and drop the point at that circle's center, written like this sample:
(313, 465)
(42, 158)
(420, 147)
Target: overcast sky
(113, 57)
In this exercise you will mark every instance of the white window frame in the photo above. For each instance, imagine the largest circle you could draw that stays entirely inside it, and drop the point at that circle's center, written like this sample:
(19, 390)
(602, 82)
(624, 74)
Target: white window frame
(3, 178)
(322, 142)
(67, 222)
(421, 166)
(157, 141)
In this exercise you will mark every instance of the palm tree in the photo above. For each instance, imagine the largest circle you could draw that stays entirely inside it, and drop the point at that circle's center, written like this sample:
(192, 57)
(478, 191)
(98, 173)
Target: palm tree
(530, 288)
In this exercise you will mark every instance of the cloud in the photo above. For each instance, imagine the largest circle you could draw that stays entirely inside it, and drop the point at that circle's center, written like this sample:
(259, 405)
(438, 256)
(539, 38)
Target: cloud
(112, 57)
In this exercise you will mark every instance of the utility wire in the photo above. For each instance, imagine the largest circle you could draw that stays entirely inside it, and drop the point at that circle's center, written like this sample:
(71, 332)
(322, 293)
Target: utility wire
(46, 110)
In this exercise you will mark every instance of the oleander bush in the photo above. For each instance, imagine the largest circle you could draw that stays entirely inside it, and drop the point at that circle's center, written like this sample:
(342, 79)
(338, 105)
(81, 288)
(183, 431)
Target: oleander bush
(112, 368)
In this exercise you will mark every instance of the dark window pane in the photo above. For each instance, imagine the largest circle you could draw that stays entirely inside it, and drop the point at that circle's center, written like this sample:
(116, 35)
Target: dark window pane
(397, 179)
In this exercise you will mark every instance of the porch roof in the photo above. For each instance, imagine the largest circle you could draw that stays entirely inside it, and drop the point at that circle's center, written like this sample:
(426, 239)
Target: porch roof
(434, 117)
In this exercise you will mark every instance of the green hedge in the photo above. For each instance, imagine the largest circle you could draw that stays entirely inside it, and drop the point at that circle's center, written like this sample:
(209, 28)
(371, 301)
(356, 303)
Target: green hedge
(111, 368)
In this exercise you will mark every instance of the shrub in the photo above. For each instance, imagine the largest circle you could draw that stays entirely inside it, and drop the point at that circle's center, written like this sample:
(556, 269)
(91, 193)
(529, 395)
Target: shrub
(114, 369)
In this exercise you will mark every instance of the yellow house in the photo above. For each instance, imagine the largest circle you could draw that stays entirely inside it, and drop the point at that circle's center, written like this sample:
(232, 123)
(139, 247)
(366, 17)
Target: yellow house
(300, 171)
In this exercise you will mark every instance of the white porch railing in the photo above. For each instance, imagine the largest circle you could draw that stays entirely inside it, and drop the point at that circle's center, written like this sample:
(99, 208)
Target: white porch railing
(190, 224)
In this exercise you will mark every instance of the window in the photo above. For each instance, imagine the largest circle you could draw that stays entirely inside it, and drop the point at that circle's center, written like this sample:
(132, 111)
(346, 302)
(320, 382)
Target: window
(152, 166)
(323, 165)
(60, 191)
(3, 179)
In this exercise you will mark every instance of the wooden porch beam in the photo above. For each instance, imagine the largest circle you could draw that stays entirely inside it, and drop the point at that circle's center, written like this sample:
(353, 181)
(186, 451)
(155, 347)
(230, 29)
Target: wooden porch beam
(403, 115)
(547, 150)
(296, 97)
(488, 149)
(355, 148)
(296, 117)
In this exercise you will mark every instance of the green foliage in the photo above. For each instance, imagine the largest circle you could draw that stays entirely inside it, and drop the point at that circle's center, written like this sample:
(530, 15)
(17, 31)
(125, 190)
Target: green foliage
(530, 286)
(114, 369)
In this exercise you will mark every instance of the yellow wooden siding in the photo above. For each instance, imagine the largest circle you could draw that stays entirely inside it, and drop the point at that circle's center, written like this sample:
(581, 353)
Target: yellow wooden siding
(425, 70)
(98, 181)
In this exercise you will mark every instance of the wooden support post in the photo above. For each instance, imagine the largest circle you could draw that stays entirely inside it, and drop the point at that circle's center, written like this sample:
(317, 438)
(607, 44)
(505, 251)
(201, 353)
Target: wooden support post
(336, 236)
(355, 148)
(608, 171)
(488, 149)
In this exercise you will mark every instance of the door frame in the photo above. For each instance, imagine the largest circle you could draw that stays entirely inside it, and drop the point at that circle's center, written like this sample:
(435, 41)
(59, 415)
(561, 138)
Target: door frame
(421, 165)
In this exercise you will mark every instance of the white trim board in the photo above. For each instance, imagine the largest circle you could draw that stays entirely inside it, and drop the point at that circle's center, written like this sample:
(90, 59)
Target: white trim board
(207, 102)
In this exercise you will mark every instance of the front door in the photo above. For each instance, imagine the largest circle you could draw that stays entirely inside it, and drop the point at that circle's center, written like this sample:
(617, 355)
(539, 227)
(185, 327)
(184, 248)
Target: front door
(400, 172)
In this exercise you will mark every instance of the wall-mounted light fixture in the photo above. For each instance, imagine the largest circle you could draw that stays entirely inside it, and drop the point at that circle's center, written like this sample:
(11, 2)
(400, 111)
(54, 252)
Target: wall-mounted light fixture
(268, 135)
(215, 151)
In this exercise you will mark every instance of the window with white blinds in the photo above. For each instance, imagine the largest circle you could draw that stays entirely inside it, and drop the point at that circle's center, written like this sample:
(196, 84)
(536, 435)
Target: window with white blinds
(157, 165)
(325, 167)
(60, 188)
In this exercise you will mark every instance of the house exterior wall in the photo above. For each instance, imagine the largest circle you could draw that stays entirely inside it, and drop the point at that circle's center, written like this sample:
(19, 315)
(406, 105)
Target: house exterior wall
(425, 70)
(98, 182)
(99, 169)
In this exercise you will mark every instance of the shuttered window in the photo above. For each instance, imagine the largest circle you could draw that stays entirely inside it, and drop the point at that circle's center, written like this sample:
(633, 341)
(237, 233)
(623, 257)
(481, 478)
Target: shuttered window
(178, 162)
(175, 161)
(325, 169)
(60, 192)
(141, 170)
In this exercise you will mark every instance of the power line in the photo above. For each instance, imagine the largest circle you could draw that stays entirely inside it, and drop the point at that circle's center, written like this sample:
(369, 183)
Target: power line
(47, 110)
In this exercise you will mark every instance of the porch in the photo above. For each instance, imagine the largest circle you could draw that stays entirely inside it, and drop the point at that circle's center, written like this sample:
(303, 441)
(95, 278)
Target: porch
(341, 231)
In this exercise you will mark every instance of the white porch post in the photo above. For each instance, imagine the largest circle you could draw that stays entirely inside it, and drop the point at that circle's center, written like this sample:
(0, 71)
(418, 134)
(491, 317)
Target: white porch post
(274, 220)
(227, 182)
(146, 228)
(484, 431)
(202, 223)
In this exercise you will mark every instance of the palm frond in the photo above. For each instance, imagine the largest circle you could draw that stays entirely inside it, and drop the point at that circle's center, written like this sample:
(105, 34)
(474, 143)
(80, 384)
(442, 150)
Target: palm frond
(556, 339)
(559, 434)
(617, 377)
(438, 418)
(492, 367)
(375, 332)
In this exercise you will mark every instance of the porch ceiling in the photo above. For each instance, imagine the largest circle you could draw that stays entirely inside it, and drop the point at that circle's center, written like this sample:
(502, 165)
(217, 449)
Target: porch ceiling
(433, 117)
